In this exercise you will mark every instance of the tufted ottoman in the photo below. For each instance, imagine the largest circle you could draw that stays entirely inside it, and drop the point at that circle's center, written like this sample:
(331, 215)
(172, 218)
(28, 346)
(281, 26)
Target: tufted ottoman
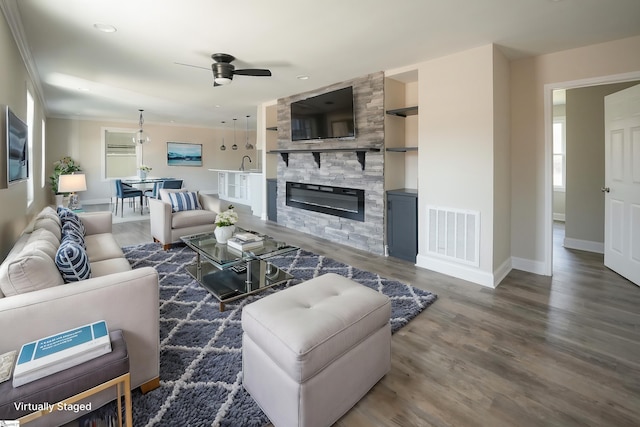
(312, 351)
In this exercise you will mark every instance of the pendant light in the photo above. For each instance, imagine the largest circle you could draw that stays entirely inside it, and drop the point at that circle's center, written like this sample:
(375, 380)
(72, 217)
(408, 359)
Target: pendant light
(247, 145)
(234, 146)
(223, 147)
(141, 136)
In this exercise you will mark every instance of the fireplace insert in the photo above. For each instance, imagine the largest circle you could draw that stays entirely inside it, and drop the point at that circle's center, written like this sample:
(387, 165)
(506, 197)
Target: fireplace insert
(337, 201)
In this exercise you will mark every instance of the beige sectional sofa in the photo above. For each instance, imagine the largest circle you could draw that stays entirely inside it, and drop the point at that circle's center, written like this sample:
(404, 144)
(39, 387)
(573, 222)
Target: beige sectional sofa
(35, 302)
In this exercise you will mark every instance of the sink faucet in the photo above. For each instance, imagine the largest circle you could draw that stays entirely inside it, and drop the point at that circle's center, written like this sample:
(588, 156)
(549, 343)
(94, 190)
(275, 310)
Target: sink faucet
(242, 164)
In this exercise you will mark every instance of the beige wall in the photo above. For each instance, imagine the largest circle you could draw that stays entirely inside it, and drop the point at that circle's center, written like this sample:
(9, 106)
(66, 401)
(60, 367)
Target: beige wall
(528, 79)
(456, 146)
(585, 162)
(501, 167)
(82, 140)
(14, 82)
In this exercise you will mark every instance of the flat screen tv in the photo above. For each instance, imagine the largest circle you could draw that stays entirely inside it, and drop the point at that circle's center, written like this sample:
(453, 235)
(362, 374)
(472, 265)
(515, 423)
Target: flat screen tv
(329, 115)
(15, 148)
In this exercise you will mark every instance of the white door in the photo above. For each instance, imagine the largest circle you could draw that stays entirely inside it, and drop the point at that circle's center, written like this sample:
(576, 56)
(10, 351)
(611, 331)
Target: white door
(622, 183)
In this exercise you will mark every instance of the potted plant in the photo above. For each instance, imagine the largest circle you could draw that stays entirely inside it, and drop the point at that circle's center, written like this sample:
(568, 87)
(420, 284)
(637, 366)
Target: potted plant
(225, 225)
(64, 166)
(143, 170)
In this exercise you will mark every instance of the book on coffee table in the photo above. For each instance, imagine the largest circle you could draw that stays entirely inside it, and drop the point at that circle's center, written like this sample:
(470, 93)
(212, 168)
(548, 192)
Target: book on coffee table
(61, 351)
(241, 245)
(248, 237)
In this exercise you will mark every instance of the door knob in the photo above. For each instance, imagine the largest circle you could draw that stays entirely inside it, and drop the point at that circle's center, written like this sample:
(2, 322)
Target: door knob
(605, 189)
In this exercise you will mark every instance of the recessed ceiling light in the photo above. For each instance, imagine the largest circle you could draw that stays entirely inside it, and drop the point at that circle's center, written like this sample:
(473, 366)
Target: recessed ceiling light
(105, 28)
(302, 77)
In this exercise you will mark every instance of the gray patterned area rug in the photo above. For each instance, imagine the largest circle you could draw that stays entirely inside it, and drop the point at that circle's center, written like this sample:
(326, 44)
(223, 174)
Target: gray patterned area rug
(200, 347)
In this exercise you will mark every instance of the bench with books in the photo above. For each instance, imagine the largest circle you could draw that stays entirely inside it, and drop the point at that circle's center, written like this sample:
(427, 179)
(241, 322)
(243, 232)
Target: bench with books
(63, 371)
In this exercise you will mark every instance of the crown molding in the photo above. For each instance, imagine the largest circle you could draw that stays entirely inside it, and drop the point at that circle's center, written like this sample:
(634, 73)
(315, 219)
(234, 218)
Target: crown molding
(12, 15)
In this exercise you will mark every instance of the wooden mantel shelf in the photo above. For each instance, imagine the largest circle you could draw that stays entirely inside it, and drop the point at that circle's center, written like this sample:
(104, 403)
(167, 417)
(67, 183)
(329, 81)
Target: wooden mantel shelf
(360, 152)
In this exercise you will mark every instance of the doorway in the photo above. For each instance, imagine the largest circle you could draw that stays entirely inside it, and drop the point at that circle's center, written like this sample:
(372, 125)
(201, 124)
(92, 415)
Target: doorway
(584, 214)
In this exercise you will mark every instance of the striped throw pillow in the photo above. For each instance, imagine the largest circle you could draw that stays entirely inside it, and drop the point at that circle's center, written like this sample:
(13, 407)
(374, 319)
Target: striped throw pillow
(70, 230)
(67, 215)
(72, 261)
(184, 201)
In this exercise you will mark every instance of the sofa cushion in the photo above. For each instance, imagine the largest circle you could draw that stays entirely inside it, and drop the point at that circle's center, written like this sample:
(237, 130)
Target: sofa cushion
(184, 201)
(48, 224)
(44, 245)
(49, 212)
(102, 246)
(30, 270)
(186, 219)
(109, 266)
(72, 261)
(44, 234)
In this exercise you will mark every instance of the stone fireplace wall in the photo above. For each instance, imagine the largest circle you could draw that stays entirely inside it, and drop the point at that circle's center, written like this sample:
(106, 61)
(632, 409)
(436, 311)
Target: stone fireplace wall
(340, 169)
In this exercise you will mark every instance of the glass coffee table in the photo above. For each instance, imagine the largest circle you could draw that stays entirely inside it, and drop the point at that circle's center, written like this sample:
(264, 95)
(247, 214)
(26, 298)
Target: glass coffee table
(230, 274)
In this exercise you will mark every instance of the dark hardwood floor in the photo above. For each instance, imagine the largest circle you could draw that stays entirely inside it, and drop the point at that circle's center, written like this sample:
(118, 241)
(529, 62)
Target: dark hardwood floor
(536, 351)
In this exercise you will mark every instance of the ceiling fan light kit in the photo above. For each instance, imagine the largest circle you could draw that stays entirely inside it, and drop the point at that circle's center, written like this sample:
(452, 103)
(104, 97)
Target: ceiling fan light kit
(223, 70)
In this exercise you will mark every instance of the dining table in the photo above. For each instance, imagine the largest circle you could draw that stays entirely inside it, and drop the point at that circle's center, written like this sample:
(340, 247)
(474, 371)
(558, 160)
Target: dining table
(144, 183)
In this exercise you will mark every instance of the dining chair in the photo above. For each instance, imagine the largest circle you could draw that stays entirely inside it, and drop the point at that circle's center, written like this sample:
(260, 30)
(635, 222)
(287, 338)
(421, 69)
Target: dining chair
(153, 193)
(125, 191)
(172, 183)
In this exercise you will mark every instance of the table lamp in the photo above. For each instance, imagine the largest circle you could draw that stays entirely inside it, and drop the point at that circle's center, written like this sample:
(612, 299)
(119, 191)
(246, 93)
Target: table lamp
(70, 184)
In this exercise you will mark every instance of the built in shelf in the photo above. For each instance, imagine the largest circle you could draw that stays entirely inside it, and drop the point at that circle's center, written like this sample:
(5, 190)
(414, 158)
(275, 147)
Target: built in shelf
(403, 112)
(360, 152)
(272, 128)
(401, 149)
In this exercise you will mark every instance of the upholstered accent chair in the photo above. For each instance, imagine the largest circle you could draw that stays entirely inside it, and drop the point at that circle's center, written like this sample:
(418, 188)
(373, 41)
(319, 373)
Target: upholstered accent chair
(171, 221)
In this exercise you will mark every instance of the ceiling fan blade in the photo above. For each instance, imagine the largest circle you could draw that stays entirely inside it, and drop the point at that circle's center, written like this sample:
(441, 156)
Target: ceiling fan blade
(193, 66)
(253, 72)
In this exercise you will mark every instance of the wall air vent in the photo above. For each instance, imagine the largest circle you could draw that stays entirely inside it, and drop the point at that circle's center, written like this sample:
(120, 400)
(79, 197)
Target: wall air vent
(454, 234)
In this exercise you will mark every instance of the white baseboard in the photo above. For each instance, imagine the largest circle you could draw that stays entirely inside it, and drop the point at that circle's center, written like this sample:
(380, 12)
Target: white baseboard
(501, 272)
(528, 265)
(456, 270)
(584, 245)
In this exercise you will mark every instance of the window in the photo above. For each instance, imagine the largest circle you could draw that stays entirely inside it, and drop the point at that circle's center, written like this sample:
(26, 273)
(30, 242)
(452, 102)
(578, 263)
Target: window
(559, 154)
(120, 153)
(43, 157)
(30, 121)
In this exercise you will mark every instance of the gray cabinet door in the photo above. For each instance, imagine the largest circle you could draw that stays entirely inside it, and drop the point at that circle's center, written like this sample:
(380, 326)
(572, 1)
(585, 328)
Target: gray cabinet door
(402, 225)
(272, 197)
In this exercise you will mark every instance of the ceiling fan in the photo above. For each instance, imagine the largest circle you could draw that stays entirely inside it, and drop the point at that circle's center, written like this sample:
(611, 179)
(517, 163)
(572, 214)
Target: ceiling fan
(224, 70)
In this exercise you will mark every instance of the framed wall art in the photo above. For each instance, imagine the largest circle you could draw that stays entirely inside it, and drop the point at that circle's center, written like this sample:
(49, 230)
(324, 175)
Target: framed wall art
(184, 154)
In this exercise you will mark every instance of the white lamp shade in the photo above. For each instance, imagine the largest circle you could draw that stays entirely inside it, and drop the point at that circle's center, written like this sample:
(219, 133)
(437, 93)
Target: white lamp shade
(222, 80)
(72, 183)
